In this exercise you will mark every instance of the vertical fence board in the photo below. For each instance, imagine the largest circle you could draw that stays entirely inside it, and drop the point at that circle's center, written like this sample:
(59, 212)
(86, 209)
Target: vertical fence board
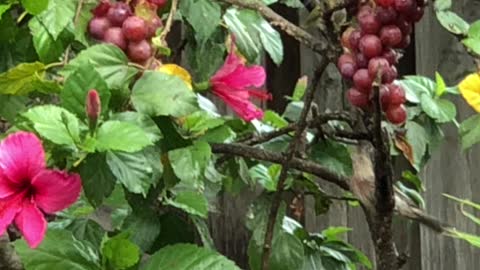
(450, 170)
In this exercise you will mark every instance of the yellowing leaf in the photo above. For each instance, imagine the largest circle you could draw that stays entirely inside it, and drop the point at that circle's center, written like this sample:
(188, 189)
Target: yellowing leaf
(176, 70)
(470, 90)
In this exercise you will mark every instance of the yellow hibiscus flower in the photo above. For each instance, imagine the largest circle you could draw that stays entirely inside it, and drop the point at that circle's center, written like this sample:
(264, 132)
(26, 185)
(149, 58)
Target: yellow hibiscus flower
(470, 90)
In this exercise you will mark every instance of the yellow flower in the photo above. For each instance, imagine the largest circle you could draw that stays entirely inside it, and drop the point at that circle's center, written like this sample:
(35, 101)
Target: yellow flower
(178, 71)
(470, 90)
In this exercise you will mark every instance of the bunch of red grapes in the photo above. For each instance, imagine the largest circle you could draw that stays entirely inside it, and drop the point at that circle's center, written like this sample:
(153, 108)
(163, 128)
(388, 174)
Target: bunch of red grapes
(116, 23)
(372, 51)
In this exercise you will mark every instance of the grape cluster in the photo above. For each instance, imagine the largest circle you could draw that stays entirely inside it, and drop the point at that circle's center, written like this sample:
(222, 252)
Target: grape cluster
(116, 23)
(372, 51)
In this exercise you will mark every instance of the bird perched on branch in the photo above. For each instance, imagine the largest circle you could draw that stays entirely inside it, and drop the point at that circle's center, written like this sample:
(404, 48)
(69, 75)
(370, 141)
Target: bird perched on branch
(363, 187)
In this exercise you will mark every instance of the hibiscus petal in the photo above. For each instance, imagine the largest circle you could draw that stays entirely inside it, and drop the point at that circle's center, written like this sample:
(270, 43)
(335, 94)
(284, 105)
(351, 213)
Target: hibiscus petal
(31, 223)
(242, 107)
(56, 190)
(8, 209)
(244, 77)
(230, 65)
(21, 156)
(7, 187)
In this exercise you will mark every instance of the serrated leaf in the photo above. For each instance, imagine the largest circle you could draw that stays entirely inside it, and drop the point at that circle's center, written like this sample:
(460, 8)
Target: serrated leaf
(121, 136)
(252, 33)
(48, 121)
(142, 121)
(334, 156)
(85, 229)
(189, 163)
(76, 88)
(415, 86)
(191, 202)
(98, 181)
(145, 227)
(474, 30)
(452, 22)
(59, 250)
(203, 15)
(48, 49)
(11, 106)
(136, 171)
(160, 94)
(441, 110)
(300, 89)
(109, 61)
(188, 257)
(19, 80)
(58, 15)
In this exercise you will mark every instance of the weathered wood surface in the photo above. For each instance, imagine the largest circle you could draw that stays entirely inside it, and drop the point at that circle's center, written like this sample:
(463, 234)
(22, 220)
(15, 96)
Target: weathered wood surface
(449, 171)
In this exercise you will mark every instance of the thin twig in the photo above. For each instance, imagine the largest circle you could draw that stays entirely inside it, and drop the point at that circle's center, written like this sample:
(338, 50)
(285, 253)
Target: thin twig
(288, 156)
(169, 22)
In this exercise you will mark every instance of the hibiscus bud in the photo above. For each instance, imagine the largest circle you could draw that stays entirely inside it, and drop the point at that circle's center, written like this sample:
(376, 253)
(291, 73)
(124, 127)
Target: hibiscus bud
(93, 106)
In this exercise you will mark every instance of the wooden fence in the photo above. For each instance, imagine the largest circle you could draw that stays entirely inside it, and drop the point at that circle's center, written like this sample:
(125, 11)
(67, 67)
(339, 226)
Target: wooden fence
(449, 171)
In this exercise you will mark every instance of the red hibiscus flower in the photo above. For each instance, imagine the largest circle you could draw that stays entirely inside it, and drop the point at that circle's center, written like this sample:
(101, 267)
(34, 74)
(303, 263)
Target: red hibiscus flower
(28, 189)
(235, 84)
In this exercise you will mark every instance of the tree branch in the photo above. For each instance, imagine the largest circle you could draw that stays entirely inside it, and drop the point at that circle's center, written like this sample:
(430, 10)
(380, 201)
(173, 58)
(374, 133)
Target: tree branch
(382, 231)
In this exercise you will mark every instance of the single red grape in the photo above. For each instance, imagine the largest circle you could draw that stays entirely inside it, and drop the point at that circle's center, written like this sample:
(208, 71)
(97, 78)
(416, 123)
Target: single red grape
(98, 26)
(118, 13)
(397, 94)
(386, 15)
(369, 23)
(357, 98)
(362, 81)
(347, 65)
(370, 46)
(391, 35)
(139, 51)
(134, 28)
(376, 65)
(397, 115)
(115, 36)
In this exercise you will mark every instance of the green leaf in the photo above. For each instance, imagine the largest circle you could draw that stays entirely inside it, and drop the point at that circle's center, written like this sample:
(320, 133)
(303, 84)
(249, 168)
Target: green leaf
(98, 181)
(274, 119)
(58, 15)
(48, 49)
(473, 44)
(18, 80)
(11, 106)
(252, 33)
(109, 61)
(4, 8)
(474, 30)
(157, 94)
(418, 139)
(204, 59)
(188, 257)
(121, 136)
(189, 163)
(76, 87)
(142, 121)
(85, 229)
(288, 3)
(203, 15)
(441, 110)
(136, 171)
(191, 202)
(145, 227)
(55, 124)
(441, 86)
(81, 26)
(470, 131)
(34, 7)
(199, 122)
(204, 232)
(120, 252)
(473, 240)
(452, 22)
(261, 174)
(413, 179)
(59, 250)
(334, 156)
(300, 89)
(442, 4)
(287, 253)
(416, 86)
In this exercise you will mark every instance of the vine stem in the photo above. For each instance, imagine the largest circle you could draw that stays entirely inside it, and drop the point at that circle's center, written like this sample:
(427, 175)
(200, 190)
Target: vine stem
(286, 164)
(169, 22)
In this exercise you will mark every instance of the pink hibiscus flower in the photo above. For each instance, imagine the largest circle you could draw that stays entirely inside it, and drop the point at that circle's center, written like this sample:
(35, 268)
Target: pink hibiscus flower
(234, 83)
(28, 189)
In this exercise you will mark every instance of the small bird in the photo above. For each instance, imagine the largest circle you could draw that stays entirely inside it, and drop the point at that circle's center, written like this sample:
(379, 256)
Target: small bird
(363, 187)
